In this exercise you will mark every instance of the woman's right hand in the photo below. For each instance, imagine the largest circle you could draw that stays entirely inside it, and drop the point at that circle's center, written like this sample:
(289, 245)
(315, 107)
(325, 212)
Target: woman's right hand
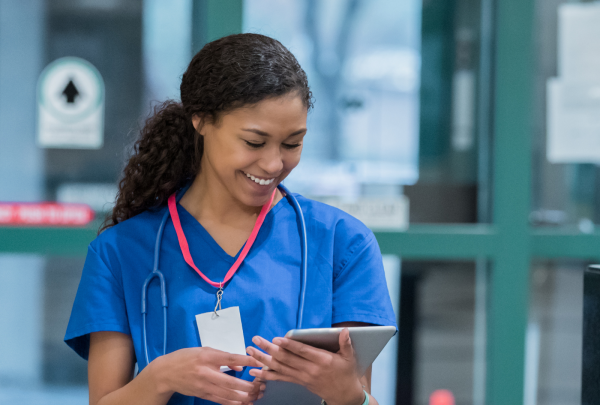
(196, 372)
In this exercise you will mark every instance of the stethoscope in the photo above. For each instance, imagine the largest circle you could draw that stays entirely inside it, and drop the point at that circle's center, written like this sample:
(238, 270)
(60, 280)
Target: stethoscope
(163, 290)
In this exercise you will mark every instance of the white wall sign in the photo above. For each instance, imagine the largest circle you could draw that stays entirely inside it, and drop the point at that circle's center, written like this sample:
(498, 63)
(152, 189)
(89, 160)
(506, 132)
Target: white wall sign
(578, 45)
(378, 213)
(70, 105)
(573, 98)
(573, 121)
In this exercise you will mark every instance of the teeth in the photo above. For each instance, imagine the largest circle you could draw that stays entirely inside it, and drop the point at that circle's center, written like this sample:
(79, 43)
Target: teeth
(262, 182)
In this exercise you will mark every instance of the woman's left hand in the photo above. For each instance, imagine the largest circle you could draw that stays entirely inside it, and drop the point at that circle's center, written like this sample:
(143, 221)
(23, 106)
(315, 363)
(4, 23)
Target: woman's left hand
(332, 376)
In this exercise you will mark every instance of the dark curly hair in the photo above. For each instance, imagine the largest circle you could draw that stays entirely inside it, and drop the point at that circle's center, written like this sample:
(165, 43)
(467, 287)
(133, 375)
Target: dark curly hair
(226, 74)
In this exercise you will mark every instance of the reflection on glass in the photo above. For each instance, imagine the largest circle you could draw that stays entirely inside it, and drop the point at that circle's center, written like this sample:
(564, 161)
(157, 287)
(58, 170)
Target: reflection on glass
(566, 179)
(553, 360)
(445, 329)
(363, 62)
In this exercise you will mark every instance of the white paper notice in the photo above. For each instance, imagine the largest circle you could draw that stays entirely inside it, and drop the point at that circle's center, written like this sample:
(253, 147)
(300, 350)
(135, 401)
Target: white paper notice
(573, 99)
(573, 121)
(223, 332)
(578, 41)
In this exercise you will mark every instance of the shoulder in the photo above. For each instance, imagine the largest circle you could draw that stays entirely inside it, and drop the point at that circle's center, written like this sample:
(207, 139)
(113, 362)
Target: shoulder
(329, 216)
(131, 234)
(329, 222)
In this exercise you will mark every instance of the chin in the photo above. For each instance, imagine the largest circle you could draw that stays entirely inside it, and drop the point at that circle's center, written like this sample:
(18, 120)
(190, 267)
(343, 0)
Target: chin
(253, 199)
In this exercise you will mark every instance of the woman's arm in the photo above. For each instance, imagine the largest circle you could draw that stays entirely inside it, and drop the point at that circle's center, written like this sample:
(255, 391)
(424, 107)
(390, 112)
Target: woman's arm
(192, 371)
(110, 373)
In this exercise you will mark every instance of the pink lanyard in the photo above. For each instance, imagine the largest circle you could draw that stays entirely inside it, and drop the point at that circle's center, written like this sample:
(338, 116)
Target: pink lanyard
(185, 249)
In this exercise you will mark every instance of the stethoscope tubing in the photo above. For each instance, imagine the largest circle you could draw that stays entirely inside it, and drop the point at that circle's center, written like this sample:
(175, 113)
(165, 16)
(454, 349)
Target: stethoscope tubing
(163, 290)
(304, 250)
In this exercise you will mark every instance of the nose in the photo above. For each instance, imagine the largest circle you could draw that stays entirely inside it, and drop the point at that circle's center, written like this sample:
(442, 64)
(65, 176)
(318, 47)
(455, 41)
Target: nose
(272, 161)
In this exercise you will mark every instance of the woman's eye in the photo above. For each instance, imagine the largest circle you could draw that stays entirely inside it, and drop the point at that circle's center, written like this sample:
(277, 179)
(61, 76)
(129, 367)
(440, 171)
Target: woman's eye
(292, 146)
(254, 145)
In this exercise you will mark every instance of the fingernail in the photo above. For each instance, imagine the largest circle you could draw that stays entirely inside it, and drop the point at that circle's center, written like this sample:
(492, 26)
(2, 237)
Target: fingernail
(277, 341)
(256, 339)
(263, 387)
(261, 395)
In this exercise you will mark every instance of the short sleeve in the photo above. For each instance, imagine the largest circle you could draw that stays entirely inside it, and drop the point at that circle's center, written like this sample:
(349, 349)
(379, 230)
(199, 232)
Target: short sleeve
(99, 305)
(360, 292)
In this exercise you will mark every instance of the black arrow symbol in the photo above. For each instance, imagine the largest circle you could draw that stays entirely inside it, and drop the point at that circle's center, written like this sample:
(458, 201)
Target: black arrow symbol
(70, 92)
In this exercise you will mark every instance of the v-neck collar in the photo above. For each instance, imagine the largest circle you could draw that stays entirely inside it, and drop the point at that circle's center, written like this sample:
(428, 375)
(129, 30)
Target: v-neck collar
(190, 222)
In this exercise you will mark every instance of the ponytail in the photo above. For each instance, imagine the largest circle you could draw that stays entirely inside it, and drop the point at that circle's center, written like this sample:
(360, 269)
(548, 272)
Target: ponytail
(165, 157)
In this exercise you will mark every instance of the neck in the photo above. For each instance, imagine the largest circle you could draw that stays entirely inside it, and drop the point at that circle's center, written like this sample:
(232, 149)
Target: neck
(204, 199)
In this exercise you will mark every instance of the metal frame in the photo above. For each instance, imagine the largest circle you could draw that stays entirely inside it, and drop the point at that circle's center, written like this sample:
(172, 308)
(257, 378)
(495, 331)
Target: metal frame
(509, 243)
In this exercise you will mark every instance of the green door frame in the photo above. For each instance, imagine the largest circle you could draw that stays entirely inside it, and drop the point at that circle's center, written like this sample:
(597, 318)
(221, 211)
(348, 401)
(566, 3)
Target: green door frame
(509, 242)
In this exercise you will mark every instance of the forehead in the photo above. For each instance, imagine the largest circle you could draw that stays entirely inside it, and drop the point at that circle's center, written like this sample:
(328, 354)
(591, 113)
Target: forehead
(271, 115)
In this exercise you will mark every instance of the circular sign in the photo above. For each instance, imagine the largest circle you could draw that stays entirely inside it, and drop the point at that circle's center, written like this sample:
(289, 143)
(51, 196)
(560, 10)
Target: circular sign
(71, 89)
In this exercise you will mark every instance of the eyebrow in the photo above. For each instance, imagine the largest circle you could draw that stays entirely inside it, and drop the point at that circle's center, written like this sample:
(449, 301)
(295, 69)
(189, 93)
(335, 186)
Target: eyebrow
(263, 133)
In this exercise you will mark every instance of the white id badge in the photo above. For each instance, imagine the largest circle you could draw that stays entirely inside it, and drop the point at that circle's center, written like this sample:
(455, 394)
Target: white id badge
(223, 332)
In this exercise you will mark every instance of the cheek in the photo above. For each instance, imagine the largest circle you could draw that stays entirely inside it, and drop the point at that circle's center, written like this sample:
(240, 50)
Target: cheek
(227, 156)
(291, 160)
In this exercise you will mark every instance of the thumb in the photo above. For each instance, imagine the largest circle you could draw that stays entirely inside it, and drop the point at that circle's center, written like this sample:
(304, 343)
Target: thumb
(346, 344)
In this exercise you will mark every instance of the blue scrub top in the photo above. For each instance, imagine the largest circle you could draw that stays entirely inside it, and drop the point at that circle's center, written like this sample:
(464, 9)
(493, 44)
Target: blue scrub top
(346, 280)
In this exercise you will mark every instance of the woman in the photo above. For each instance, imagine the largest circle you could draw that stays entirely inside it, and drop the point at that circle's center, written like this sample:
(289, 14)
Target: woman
(221, 153)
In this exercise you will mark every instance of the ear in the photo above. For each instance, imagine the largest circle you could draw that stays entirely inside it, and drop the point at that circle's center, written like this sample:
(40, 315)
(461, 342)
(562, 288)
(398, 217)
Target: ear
(197, 122)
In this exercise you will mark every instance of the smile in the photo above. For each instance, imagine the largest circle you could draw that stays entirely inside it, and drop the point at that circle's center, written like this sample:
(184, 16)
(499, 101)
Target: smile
(262, 182)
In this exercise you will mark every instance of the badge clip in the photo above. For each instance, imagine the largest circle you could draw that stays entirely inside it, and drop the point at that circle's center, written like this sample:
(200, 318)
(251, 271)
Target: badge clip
(219, 298)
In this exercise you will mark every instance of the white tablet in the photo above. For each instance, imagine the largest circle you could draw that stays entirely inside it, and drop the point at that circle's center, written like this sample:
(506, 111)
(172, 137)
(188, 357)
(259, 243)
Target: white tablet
(367, 341)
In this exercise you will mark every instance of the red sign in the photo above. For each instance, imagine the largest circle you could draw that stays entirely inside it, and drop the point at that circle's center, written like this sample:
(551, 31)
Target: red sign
(45, 214)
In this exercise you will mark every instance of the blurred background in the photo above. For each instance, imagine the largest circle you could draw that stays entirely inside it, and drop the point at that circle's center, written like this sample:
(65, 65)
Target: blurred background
(463, 132)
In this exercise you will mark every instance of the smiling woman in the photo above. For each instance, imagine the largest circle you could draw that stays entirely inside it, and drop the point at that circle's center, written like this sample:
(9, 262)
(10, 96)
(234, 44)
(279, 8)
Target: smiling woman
(231, 256)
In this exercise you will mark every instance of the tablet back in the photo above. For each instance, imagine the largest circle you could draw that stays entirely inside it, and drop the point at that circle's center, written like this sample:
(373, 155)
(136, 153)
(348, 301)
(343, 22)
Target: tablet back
(367, 341)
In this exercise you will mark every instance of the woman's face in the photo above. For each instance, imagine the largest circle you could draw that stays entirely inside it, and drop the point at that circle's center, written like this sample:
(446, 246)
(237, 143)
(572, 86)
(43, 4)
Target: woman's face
(252, 149)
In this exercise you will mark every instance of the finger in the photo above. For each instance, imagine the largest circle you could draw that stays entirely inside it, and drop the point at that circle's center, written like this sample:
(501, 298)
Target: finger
(232, 395)
(255, 392)
(269, 375)
(284, 356)
(256, 380)
(289, 364)
(312, 354)
(346, 349)
(232, 383)
(223, 401)
(260, 395)
(259, 356)
(271, 363)
(236, 368)
(286, 362)
(259, 388)
(229, 359)
(276, 351)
